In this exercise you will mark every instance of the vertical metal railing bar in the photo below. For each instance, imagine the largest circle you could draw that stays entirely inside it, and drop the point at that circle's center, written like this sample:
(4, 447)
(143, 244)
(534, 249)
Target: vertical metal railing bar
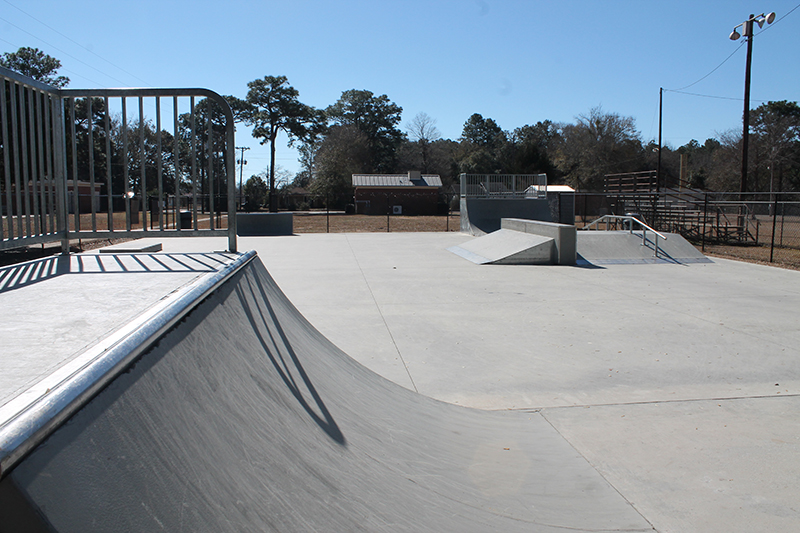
(76, 212)
(41, 204)
(125, 163)
(60, 172)
(34, 168)
(15, 148)
(210, 164)
(159, 168)
(231, 181)
(50, 143)
(23, 124)
(176, 163)
(7, 211)
(142, 164)
(90, 143)
(194, 164)
(109, 188)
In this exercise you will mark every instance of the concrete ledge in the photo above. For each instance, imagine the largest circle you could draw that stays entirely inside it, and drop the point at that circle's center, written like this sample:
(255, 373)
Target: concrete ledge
(564, 236)
(260, 224)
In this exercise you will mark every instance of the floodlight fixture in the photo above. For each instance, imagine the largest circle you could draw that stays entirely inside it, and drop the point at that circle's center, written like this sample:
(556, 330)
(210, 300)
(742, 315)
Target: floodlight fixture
(734, 35)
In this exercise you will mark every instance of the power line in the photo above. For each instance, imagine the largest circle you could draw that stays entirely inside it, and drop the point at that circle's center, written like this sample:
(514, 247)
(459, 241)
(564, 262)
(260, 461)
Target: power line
(713, 96)
(710, 73)
(730, 56)
(78, 44)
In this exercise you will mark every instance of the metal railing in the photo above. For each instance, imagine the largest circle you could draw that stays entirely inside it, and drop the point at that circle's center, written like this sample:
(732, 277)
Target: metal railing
(503, 185)
(630, 220)
(85, 163)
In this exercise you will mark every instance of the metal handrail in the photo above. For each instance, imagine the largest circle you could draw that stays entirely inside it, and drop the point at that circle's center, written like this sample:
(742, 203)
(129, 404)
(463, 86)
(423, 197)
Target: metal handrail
(630, 219)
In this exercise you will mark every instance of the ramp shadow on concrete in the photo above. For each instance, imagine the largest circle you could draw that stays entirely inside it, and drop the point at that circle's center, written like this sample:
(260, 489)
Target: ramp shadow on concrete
(244, 417)
(24, 274)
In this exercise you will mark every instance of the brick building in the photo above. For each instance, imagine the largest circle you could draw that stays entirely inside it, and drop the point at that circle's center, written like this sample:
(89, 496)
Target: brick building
(404, 194)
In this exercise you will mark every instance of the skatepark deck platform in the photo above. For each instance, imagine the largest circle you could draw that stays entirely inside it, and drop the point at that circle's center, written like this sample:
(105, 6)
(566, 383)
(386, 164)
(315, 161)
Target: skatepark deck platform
(604, 397)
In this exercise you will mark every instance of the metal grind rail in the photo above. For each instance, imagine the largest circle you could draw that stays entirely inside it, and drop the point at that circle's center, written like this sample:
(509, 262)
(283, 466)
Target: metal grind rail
(630, 220)
(113, 163)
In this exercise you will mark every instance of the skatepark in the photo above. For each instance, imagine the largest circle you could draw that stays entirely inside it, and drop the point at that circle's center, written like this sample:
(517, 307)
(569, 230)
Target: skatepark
(380, 382)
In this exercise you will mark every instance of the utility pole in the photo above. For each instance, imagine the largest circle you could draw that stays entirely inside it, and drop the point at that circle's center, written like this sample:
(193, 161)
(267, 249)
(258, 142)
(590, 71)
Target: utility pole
(747, 31)
(242, 163)
(658, 168)
(748, 34)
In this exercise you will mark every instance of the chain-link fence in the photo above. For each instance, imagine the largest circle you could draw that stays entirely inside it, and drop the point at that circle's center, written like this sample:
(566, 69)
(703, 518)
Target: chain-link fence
(753, 226)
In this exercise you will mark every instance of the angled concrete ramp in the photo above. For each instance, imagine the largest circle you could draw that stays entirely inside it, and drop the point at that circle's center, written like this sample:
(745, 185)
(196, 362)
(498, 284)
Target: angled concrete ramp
(623, 247)
(243, 417)
(507, 247)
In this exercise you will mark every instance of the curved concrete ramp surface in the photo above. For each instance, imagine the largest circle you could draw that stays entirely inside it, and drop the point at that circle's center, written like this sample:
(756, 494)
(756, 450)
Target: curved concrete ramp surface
(244, 418)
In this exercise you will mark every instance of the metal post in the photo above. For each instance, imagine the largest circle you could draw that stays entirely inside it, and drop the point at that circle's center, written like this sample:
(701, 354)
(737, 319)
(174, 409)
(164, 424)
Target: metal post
(774, 220)
(658, 167)
(705, 223)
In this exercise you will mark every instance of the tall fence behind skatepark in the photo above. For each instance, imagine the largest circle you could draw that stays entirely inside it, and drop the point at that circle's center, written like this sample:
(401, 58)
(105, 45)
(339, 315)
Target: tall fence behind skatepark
(113, 163)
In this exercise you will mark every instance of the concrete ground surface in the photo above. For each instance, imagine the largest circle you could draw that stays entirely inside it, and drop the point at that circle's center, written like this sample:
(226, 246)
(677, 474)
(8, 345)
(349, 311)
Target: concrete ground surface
(678, 383)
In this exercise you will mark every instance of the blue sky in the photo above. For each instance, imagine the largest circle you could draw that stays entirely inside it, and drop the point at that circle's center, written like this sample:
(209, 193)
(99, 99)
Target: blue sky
(515, 61)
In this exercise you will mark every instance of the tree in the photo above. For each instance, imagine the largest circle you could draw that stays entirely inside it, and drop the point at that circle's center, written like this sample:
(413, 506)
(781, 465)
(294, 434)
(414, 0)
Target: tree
(271, 106)
(377, 118)
(35, 64)
(344, 152)
(422, 131)
(480, 131)
(599, 143)
(482, 141)
(255, 192)
(529, 149)
(776, 128)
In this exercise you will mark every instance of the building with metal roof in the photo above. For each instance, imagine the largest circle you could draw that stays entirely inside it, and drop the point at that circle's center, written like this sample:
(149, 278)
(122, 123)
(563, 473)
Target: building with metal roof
(408, 194)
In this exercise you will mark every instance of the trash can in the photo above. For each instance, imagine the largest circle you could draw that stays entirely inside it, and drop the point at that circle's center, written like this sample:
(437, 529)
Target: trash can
(186, 219)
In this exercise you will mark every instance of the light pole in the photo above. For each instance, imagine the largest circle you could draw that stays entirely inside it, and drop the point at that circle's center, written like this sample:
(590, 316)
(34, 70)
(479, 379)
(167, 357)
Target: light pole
(747, 30)
(242, 163)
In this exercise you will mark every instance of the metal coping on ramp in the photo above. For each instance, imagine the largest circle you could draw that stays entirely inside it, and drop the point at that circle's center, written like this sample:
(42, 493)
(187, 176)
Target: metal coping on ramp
(23, 430)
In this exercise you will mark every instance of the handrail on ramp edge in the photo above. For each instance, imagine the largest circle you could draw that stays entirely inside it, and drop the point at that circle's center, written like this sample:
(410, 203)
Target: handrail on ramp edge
(630, 219)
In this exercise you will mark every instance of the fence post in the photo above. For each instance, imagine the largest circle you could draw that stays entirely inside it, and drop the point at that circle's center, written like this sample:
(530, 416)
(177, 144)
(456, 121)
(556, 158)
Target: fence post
(705, 222)
(774, 219)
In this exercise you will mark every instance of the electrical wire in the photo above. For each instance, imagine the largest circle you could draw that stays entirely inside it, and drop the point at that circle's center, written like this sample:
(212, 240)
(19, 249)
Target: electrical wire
(730, 56)
(122, 83)
(712, 72)
(717, 97)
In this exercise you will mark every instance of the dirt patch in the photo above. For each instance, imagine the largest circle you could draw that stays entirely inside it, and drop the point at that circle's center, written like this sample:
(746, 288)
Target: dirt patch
(341, 223)
(781, 257)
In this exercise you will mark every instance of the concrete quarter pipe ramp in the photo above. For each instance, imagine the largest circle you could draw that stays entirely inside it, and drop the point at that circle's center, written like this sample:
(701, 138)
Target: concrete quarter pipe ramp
(244, 418)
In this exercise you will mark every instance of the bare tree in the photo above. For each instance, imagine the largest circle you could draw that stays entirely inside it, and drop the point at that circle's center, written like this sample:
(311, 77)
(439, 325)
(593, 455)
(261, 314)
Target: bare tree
(422, 130)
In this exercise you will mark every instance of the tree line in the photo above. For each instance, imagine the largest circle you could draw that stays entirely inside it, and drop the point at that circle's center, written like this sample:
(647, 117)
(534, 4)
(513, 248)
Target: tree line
(362, 132)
